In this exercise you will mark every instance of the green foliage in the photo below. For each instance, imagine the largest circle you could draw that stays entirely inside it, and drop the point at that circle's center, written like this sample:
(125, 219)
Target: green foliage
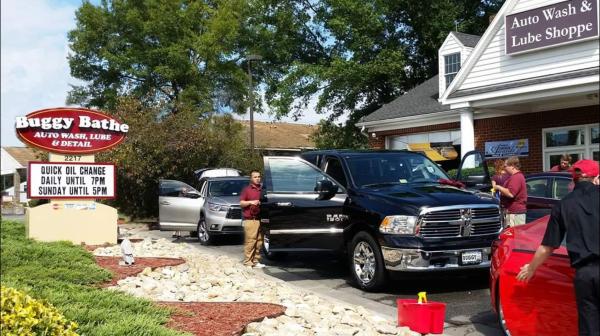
(351, 56)
(22, 315)
(354, 56)
(170, 148)
(332, 136)
(178, 52)
(65, 275)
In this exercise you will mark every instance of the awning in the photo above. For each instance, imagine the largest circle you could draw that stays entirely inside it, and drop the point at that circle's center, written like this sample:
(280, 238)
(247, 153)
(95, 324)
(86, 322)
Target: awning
(426, 149)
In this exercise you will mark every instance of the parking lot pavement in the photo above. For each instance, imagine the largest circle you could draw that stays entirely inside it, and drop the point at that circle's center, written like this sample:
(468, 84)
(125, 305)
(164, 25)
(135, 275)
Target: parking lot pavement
(467, 297)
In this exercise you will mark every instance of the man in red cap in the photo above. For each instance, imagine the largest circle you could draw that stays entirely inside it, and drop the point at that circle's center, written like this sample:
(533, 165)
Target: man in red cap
(578, 216)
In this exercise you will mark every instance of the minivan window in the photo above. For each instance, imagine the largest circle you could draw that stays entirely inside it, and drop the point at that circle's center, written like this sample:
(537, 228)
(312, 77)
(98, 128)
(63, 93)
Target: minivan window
(226, 188)
(394, 169)
(173, 188)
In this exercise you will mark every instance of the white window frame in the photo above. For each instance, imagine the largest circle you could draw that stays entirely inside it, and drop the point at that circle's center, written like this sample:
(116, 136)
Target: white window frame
(448, 65)
(585, 150)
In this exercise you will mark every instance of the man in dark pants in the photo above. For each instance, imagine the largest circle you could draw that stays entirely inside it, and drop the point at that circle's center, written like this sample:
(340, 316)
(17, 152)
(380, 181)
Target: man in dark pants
(578, 216)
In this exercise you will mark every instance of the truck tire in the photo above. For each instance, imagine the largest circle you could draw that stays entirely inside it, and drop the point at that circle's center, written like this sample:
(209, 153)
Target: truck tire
(270, 254)
(366, 262)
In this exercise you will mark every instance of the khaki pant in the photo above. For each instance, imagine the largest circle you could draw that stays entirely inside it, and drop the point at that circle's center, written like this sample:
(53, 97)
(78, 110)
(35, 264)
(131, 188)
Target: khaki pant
(511, 220)
(253, 241)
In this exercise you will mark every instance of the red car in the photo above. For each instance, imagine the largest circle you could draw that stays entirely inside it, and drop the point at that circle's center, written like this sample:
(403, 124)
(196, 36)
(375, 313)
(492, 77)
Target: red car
(546, 304)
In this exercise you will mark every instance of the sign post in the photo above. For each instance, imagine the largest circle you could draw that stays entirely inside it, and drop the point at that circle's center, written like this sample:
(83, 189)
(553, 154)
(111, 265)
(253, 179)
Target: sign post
(71, 179)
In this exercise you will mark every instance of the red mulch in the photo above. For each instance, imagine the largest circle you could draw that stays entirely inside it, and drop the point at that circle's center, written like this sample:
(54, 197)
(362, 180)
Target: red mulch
(198, 318)
(219, 318)
(121, 272)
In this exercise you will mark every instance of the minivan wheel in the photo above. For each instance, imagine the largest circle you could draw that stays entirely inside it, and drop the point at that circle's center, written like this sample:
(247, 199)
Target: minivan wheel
(203, 234)
(366, 262)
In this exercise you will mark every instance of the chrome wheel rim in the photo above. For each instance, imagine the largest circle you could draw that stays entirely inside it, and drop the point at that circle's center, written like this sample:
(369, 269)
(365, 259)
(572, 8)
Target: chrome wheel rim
(364, 262)
(202, 232)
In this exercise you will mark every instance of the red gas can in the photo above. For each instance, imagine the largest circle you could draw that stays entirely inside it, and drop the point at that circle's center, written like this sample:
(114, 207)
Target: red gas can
(425, 317)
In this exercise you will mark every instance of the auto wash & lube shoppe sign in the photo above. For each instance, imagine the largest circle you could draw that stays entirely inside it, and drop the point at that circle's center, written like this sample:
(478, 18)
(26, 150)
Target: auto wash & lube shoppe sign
(550, 26)
(71, 180)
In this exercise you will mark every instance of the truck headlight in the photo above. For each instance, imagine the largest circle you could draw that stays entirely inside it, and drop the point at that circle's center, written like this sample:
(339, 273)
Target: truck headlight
(398, 224)
(217, 207)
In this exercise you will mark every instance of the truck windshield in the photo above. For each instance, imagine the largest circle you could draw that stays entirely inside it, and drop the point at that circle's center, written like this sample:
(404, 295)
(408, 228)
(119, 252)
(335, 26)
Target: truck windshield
(393, 168)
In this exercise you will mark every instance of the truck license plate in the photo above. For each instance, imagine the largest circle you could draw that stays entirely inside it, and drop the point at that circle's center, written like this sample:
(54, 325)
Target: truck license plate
(471, 257)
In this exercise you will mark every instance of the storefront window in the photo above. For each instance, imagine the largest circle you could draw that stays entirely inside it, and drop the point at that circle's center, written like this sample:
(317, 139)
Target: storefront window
(580, 142)
(595, 135)
(564, 138)
(555, 158)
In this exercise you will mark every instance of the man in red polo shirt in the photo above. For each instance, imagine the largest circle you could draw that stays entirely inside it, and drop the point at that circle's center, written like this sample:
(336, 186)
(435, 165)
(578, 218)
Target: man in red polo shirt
(253, 235)
(513, 194)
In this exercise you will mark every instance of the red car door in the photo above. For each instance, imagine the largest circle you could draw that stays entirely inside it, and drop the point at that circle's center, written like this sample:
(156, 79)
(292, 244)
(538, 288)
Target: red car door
(546, 304)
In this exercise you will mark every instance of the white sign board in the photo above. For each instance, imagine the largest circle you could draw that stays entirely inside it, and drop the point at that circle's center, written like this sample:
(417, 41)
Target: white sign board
(56, 180)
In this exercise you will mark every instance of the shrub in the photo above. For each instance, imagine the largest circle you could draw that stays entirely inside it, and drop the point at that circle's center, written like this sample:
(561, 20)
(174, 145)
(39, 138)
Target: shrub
(170, 147)
(22, 315)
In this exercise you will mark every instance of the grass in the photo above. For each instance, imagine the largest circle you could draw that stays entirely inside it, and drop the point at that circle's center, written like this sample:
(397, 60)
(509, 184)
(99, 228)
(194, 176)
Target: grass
(64, 274)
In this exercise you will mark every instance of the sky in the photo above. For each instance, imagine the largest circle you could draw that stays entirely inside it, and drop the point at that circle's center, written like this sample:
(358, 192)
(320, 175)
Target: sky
(35, 71)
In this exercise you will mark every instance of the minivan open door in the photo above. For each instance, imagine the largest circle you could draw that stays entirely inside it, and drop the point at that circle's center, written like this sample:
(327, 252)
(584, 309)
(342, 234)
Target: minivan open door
(474, 173)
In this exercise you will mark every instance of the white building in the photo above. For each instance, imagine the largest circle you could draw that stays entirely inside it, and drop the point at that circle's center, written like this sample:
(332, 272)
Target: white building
(523, 89)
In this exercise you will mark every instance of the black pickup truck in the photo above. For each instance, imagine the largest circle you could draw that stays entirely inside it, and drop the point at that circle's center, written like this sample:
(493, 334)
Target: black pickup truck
(387, 210)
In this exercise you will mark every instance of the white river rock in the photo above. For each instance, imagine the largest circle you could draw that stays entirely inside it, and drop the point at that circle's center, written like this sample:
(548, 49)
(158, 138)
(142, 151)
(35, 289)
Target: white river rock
(209, 278)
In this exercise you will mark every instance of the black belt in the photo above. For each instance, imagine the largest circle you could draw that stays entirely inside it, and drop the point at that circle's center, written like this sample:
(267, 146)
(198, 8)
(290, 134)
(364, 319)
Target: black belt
(253, 218)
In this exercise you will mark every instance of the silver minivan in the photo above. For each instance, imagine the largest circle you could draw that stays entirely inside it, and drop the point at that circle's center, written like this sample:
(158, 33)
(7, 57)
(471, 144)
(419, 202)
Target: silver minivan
(210, 212)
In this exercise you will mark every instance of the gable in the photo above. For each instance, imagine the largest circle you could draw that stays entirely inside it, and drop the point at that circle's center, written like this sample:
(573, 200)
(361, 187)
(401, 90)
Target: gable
(490, 66)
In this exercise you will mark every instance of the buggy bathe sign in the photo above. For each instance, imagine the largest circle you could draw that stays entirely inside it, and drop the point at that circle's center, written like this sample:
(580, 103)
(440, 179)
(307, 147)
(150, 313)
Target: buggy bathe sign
(67, 130)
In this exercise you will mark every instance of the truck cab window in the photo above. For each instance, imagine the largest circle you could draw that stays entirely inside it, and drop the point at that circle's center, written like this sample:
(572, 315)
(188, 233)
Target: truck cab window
(335, 170)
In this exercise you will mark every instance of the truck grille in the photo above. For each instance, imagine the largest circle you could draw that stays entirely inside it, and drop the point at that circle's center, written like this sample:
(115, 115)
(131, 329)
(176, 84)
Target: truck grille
(234, 213)
(459, 221)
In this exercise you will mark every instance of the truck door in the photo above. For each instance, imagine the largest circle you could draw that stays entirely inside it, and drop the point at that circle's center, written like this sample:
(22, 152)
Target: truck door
(473, 172)
(294, 217)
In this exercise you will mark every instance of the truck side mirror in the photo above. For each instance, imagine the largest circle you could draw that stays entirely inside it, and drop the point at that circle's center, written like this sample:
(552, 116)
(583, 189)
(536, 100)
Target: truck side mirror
(326, 190)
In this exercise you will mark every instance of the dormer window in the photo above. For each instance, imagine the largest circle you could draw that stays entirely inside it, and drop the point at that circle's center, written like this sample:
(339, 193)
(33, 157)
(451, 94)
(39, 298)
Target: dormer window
(451, 67)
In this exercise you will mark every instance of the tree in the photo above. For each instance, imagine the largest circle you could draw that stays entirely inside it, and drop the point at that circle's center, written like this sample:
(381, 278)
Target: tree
(355, 56)
(351, 56)
(171, 148)
(174, 53)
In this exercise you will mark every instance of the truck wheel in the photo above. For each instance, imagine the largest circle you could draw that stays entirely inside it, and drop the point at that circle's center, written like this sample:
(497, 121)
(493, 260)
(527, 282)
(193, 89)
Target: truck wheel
(270, 254)
(204, 236)
(366, 262)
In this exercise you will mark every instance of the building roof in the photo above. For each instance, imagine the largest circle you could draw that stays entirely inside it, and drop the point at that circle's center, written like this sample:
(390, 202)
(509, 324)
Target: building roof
(22, 154)
(420, 100)
(467, 40)
(280, 135)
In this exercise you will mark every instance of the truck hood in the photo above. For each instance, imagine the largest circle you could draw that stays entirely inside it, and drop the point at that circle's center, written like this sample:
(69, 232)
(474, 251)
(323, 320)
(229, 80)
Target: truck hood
(431, 195)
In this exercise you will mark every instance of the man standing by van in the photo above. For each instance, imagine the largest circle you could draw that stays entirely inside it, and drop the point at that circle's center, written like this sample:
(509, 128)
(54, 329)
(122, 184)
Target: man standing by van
(253, 235)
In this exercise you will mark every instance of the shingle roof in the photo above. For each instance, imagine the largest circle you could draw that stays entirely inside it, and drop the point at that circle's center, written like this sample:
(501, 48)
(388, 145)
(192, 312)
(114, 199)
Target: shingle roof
(281, 135)
(420, 100)
(22, 154)
(467, 40)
